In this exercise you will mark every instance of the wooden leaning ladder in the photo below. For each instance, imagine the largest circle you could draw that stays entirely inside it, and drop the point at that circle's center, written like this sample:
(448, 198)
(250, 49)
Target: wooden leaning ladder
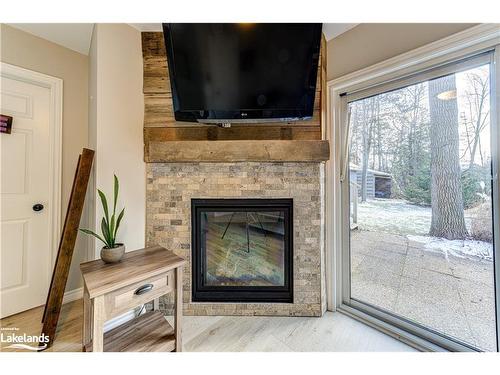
(66, 245)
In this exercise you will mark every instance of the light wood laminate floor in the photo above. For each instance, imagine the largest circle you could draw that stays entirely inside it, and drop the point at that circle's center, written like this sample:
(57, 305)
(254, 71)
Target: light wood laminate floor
(332, 332)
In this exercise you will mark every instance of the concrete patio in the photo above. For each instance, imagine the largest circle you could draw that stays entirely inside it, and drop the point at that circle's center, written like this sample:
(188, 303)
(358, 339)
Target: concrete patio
(448, 293)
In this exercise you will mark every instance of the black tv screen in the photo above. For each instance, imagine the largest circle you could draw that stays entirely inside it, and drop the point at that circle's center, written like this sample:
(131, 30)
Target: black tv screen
(242, 72)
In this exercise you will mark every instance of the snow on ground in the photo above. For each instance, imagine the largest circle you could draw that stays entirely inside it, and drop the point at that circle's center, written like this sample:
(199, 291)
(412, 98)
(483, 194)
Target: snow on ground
(400, 217)
(394, 216)
(458, 248)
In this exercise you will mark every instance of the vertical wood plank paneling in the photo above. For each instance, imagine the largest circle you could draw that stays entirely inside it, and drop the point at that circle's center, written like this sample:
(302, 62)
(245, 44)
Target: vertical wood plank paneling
(160, 123)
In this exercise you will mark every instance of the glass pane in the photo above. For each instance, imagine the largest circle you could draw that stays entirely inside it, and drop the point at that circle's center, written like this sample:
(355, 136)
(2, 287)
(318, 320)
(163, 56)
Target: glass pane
(244, 248)
(420, 205)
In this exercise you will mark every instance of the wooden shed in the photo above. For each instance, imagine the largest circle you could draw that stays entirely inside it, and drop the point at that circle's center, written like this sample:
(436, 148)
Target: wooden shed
(378, 183)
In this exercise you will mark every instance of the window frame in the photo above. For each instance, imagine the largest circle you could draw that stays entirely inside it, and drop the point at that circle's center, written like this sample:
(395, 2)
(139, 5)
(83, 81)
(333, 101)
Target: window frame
(478, 44)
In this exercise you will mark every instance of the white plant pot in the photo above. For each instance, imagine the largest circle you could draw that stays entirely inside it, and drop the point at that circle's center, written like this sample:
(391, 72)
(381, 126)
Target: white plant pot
(113, 255)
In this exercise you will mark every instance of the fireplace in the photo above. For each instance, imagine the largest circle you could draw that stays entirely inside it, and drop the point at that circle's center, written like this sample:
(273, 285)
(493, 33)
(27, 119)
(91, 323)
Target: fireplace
(170, 222)
(242, 250)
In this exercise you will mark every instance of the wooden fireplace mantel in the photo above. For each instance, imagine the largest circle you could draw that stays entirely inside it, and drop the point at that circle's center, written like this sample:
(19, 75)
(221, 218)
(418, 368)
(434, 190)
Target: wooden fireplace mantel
(167, 140)
(237, 151)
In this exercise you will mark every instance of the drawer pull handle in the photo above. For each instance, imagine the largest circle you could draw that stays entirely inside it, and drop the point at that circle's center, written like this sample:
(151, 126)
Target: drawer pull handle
(143, 289)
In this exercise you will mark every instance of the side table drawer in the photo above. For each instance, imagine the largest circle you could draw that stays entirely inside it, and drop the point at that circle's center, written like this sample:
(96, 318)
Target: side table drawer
(131, 296)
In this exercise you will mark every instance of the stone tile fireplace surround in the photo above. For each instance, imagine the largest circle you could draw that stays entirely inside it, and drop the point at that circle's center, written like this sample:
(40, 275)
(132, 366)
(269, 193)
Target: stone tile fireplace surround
(171, 186)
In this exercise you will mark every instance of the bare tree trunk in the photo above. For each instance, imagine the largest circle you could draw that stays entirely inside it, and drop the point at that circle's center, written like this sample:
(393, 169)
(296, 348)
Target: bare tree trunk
(446, 189)
(412, 136)
(364, 178)
(477, 134)
(379, 147)
(367, 124)
(476, 99)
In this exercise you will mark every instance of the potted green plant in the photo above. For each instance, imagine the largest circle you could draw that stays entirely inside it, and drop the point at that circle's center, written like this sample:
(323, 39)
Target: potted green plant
(113, 251)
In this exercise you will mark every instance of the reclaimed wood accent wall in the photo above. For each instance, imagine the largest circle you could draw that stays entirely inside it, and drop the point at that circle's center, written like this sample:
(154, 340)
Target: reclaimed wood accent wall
(159, 120)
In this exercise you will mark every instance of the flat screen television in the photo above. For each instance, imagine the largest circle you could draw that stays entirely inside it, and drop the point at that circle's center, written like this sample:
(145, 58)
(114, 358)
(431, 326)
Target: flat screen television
(229, 73)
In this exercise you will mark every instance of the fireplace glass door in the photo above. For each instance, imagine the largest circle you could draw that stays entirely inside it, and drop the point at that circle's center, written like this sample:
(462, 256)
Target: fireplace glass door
(242, 250)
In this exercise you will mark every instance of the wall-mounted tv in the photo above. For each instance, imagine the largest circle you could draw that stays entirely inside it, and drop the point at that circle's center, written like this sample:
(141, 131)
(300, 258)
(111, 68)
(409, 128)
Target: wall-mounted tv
(229, 73)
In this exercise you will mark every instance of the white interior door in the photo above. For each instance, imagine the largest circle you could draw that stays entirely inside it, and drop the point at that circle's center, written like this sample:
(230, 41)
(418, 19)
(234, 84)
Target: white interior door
(25, 181)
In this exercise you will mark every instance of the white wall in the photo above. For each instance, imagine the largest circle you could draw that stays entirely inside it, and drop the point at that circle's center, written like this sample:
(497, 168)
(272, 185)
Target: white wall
(116, 114)
(370, 43)
(37, 54)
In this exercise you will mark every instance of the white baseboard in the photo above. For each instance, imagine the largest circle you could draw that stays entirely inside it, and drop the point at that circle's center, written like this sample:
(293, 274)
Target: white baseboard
(72, 295)
(119, 320)
(75, 294)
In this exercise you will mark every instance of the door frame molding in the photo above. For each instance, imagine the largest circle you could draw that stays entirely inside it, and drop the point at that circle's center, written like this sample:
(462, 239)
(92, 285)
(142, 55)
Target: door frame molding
(55, 86)
(471, 41)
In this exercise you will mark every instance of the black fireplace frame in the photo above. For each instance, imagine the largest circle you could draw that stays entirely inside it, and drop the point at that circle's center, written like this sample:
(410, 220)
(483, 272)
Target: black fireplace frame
(267, 294)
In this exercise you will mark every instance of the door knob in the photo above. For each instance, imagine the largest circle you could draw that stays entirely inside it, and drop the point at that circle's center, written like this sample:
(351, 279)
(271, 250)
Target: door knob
(38, 207)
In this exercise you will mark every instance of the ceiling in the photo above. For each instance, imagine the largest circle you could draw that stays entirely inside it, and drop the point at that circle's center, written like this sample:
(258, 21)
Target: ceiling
(331, 30)
(77, 36)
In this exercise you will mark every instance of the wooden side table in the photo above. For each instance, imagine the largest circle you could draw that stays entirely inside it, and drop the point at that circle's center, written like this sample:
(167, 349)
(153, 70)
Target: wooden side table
(113, 289)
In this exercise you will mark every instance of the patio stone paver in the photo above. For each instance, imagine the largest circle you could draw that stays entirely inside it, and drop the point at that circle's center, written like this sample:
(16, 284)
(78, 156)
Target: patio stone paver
(419, 259)
(376, 282)
(479, 304)
(356, 260)
(449, 294)
(478, 271)
(387, 242)
(434, 302)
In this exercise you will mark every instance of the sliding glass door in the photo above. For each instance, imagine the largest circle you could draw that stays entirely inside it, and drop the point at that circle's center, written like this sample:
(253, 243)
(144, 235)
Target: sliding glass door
(420, 199)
